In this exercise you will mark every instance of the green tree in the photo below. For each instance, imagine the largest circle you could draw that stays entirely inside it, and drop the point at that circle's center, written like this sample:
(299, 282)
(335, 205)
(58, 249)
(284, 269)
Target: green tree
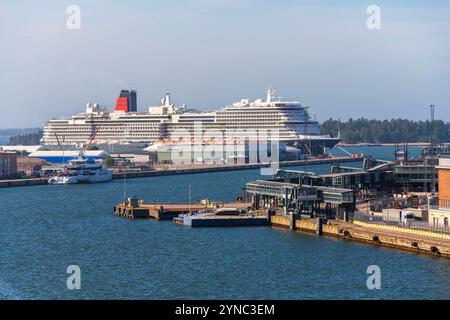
(109, 162)
(386, 131)
(26, 139)
(92, 147)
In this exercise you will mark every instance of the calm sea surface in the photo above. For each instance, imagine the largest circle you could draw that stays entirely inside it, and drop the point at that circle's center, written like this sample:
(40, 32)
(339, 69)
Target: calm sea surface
(44, 229)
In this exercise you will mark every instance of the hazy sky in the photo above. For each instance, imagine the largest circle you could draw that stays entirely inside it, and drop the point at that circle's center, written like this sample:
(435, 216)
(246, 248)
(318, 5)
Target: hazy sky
(210, 53)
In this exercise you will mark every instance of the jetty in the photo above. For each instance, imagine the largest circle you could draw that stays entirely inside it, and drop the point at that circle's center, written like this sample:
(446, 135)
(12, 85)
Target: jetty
(207, 214)
(134, 208)
(154, 211)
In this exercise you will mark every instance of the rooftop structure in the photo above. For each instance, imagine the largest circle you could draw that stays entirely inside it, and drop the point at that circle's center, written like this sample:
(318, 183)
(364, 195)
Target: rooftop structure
(418, 175)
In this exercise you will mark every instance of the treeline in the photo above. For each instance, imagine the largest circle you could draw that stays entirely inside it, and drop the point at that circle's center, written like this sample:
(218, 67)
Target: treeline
(14, 131)
(28, 139)
(386, 131)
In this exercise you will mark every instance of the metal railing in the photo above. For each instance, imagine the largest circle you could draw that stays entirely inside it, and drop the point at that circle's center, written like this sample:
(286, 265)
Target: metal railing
(393, 221)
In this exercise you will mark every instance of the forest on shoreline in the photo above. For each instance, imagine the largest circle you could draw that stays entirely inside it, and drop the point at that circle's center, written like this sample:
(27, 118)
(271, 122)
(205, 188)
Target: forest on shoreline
(385, 131)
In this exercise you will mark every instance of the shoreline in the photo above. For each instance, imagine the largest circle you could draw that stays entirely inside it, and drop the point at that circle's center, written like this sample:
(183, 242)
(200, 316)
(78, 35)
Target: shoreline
(390, 144)
(201, 169)
(236, 167)
(375, 235)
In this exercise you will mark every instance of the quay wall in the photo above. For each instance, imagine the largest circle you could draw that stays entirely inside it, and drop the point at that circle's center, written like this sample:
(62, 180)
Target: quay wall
(419, 241)
(404, 230)
(23, 182)
(280, 221)
(156, 173)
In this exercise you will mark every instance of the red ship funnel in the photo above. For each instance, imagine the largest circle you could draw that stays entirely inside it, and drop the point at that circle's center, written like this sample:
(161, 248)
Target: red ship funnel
(121, 104)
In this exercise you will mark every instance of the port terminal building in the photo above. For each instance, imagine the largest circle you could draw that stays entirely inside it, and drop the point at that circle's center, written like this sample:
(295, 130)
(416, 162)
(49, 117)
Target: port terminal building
(335, 194)
(439, 216)
(289, 193)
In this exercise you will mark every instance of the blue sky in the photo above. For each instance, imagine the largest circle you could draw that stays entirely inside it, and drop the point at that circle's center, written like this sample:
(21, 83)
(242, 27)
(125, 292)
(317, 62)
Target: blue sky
(211, 53)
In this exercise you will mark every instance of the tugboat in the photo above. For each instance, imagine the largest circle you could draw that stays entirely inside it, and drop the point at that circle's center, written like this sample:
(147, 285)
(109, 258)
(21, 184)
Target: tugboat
(82, 170)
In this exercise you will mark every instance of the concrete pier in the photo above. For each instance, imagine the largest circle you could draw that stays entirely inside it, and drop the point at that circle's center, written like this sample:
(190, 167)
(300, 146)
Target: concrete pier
(135, 209)
(23, 182)
(155, 211)
(430, 243)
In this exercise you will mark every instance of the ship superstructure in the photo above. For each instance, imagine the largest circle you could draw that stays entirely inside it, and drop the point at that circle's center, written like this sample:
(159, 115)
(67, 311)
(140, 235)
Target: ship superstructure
(82, 170)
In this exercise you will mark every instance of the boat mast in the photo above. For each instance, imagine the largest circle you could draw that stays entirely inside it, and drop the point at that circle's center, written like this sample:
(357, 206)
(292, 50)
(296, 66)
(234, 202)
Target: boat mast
(270, 95)
(124, 189)
(190, 212)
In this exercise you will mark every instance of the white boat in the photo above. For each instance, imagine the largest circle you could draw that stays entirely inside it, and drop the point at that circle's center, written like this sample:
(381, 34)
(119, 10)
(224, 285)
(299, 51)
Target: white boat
(82, 170)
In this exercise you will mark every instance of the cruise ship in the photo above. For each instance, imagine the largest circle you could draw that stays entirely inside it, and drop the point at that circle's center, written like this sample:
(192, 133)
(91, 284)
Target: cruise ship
(241, 122)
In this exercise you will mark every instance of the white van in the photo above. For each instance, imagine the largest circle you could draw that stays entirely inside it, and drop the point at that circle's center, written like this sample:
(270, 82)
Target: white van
(407, 216)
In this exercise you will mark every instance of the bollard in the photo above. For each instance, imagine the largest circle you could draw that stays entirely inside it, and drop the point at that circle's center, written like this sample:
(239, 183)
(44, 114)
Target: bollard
(319, 223)
(285, 201)
(268, 216)
(291, 221)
